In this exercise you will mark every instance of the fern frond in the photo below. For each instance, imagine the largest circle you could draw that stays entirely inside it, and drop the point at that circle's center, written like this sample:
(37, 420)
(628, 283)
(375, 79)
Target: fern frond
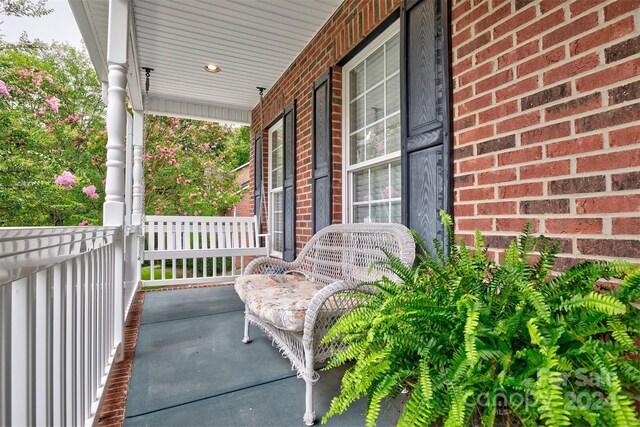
(470, 330)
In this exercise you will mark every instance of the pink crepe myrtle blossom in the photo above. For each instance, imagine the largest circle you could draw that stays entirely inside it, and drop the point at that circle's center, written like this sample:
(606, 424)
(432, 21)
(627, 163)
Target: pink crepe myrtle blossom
(156, 212)
(3, 89)
(83, 223)
(90, 191)
(192, 195)
(52, 103)
(39, 113)
(66, 180)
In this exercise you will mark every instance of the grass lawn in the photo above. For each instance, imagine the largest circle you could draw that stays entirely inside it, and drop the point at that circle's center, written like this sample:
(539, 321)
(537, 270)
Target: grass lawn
(145, 273)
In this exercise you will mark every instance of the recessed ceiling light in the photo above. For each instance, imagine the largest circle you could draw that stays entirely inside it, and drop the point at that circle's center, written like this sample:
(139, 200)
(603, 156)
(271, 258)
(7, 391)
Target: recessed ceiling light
(212, 68)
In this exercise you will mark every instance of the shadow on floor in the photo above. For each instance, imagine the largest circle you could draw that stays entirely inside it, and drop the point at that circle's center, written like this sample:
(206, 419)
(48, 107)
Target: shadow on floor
(191, 369)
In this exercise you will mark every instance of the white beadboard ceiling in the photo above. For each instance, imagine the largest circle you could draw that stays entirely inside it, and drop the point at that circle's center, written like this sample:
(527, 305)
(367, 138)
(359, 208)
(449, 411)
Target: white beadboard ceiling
(252, 41)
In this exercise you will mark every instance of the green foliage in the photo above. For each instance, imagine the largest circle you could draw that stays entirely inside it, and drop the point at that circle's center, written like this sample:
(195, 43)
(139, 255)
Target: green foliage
(32, 8)
(472, 341)
(52, 120)
(190, 166)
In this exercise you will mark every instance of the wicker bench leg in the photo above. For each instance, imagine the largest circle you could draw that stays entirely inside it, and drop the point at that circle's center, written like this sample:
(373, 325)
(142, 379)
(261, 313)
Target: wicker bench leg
(310, 379)
(247, 338)
(310, 414)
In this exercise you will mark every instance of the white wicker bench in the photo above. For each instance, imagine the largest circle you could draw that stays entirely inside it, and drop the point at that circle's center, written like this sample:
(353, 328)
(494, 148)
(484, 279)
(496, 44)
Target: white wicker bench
(335, 260)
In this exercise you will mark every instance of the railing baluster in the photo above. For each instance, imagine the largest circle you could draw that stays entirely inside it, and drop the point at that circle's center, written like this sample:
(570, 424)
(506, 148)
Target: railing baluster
(152, 246)
(55, 333)
(20, 400)
(205, 245)
(5, 354)
(196, 245)
(186, 246)
(39, 347)
(68, 344)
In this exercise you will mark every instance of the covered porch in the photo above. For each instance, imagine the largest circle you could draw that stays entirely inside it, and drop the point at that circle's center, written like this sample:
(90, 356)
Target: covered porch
(66, 294)
(501, 112)
(191, 368)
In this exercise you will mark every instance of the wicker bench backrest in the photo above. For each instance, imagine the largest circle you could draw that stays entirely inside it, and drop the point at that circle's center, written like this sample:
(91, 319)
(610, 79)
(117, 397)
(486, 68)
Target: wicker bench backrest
(346, 251)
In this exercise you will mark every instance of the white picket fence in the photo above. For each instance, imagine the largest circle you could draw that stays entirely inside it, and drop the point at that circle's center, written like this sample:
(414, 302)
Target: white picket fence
(61, 316)
(194, 249)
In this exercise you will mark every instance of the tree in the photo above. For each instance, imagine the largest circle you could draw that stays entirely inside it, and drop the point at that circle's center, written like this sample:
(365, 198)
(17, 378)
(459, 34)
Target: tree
(52, 136)
(24, 8)
(189, 166)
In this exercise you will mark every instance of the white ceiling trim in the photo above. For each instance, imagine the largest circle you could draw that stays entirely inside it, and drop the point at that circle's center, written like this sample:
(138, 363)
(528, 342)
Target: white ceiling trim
(198, 111)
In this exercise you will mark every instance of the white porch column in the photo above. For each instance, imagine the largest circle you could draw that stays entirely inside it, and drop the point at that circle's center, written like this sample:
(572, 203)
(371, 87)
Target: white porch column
(138, 171)
(114, 207)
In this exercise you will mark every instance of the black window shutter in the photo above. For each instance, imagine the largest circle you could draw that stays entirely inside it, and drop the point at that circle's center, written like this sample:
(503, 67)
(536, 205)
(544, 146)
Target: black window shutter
(289, 186)
(321, 158)
(257, 180)
(426, 170)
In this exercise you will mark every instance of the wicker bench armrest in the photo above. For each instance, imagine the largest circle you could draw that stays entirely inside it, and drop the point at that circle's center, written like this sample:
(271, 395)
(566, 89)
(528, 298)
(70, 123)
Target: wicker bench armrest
(327, 299)
(268, 265)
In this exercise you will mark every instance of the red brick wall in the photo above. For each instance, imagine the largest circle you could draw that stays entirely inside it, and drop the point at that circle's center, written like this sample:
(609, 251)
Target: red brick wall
(348, 26)
(547, 122)
(546, 109)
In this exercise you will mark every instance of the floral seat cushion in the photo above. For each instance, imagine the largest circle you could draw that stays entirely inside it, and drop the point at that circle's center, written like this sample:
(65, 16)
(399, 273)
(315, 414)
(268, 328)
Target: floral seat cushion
(281, 300)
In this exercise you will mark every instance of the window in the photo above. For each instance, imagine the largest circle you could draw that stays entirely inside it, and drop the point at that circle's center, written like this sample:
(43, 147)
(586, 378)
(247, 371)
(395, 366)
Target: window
(276, 181)
(371, 122)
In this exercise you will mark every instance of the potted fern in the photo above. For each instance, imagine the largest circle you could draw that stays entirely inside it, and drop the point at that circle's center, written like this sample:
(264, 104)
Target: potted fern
(470, 342)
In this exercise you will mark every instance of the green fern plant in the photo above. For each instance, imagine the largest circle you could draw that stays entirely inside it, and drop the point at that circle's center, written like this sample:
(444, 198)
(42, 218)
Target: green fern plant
(470, 341)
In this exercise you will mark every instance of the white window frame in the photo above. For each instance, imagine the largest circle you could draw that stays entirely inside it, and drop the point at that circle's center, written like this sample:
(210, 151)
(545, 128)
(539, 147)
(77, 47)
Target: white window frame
(347, 168)
(272, 190)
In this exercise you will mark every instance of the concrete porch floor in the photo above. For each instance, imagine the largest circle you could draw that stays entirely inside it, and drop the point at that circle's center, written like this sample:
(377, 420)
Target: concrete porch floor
(191, 369)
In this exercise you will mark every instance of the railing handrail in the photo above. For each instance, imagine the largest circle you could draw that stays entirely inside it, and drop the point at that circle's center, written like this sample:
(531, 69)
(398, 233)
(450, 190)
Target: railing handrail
(155, 218)
(24, 251)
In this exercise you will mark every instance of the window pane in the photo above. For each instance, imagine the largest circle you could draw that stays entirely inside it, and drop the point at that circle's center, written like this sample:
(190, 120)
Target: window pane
(356, 114)
(393, 55)
(395, 181)
(380, 212)
(393, 133)
(395, 212)
(276, 226)
(374, 141)
(356, 81)
(357, 147)
(380, 182)
(361, 186)
(393, 94)
(277, 242)
(375, 105)
(361, 213)
(375, 68)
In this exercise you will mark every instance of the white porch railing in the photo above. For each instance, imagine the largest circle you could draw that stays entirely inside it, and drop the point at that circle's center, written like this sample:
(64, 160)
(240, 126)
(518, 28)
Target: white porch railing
(60, 310)
(182, 249)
